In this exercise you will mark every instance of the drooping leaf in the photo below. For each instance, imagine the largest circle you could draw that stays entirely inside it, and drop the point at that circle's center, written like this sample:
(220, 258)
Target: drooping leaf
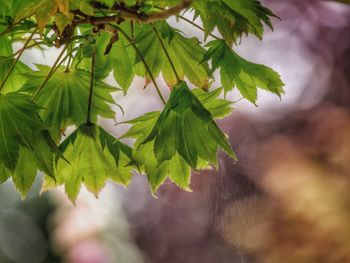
(185, 53)
(25, 172)
(238, 72)
(18, 120)
(183, 135)
(64, 98)
(168, 144)
(233, 18)
(94, 157)
(5, 174)
(123, 58)
(219, 108)
(174, 130)
(24, 143)
(176, 168)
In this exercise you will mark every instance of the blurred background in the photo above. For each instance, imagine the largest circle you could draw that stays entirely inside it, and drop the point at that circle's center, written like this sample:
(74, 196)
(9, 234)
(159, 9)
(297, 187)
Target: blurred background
(286, 200)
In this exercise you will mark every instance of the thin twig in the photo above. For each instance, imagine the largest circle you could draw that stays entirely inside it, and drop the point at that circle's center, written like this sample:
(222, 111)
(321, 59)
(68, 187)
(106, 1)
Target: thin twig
(56, 65)
(142, 59)
(68, 63)
(167, 54)
(197, 26)
(49, 75)
(8, 30)
(17, 59)
(28, 47)
(92, 81)
(20, 50)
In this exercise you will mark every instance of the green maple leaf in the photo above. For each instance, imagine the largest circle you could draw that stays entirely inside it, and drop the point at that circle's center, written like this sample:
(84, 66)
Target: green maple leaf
(245, 75)
(5, 7)
(233, 18)
(103, 63)
(185, 53)
(64, 98)
(177, 168)
(25, 172)
(119, 58)
(45, 10)
(94, 156)
(218, 108)
(123, 58)
(16, 79)
(187, 128)
(24, 143)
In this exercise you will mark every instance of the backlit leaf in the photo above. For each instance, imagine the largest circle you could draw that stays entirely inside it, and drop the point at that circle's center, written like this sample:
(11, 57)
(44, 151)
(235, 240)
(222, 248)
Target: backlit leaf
(65, 96)
(94, 157)
(238, 72)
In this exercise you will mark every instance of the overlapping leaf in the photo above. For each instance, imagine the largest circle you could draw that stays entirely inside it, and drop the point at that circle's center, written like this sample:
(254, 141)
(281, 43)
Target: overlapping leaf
(95, 156)
(185, 53)
(176, 166)
(168, 144)
(176, 169)
(113, 53)
(103, 63)
(65, 96)
(123, 59)
(24, 143)
(233, 18)
(45, 10)
(187, 128)
(245, 75)
(218, 108)
(16, 79)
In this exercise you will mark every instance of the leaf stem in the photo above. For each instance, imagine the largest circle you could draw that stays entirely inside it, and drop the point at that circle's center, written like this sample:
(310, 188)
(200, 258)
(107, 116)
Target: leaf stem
(70, 56)
(17, 59)
(8, 29)
(20, 50)
(49, 75)
(142, 59)
(68, 63)
(92, 80)
(197, 26)
(166, 53)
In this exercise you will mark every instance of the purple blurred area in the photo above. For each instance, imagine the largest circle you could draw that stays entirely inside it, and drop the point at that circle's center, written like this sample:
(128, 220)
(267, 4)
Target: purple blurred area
(286, 200)
(245, 212)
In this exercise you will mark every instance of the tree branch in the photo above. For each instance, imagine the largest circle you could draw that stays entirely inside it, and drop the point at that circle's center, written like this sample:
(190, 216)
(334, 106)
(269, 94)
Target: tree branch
(135, 16)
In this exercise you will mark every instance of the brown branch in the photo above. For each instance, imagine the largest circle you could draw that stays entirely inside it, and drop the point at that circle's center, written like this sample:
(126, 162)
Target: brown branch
(135, 16)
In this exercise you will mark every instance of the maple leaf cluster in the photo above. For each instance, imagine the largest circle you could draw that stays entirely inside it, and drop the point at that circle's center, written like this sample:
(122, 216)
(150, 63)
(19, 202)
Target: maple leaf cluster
(126, 39)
